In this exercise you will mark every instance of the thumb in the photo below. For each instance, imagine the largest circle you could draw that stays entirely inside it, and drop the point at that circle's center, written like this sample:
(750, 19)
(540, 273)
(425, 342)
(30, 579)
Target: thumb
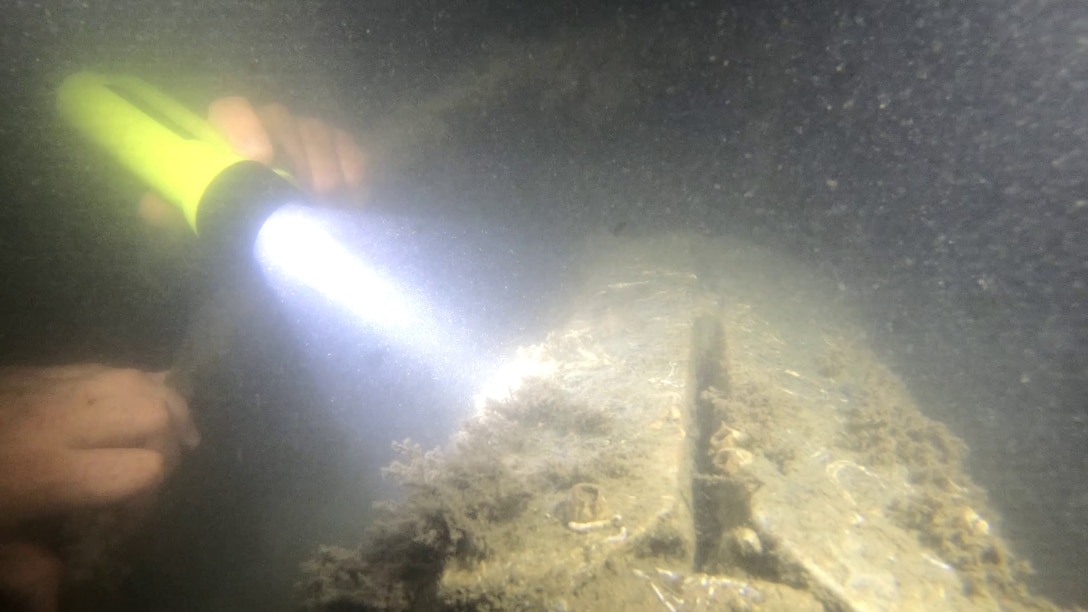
(29, 577)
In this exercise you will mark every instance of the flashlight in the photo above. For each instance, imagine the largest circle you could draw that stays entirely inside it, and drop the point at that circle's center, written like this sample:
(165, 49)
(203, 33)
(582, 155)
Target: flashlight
(225, 197)
(247, 214)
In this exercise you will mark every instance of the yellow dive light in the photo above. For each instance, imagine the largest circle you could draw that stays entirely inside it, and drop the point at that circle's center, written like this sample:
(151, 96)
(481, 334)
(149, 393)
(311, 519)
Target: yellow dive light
(245, 212)
(224, 197)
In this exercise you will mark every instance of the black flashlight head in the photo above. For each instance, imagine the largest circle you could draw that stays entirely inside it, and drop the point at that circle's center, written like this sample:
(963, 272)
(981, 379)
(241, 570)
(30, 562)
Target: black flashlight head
(234, 208)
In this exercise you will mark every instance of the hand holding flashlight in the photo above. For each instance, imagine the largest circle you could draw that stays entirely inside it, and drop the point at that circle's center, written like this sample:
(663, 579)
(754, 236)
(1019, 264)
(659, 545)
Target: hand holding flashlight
(324, 159)
(223, 178)
(76, 438)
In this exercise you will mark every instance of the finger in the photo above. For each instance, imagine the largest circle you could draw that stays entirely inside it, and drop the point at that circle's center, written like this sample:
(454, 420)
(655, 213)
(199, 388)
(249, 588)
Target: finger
(181, 416)
(102, 477)
(235, 118)
(41, 486)
(285, 135)
(119, 383)
(178, 407)
(159, 213)
(113, 422)
(121, 421)
(317, 138)
(30, 574)
(168, 447)
(352, 159)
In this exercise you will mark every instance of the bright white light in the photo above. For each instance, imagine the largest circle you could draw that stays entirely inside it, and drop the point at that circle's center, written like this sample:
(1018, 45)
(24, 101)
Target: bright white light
(304, 250)
(357, 286)
(529, 362)
(294, 245)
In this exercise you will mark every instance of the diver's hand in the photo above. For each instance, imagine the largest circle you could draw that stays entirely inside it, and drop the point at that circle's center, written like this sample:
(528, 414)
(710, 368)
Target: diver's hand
(324, 159)
(84, 436)
(73, 438)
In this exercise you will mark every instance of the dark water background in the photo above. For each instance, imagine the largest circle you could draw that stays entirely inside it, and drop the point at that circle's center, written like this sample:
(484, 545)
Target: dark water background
(928, 155)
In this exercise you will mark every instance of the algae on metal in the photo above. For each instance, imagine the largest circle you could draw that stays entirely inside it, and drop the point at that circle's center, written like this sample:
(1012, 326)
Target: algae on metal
(708, 431)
